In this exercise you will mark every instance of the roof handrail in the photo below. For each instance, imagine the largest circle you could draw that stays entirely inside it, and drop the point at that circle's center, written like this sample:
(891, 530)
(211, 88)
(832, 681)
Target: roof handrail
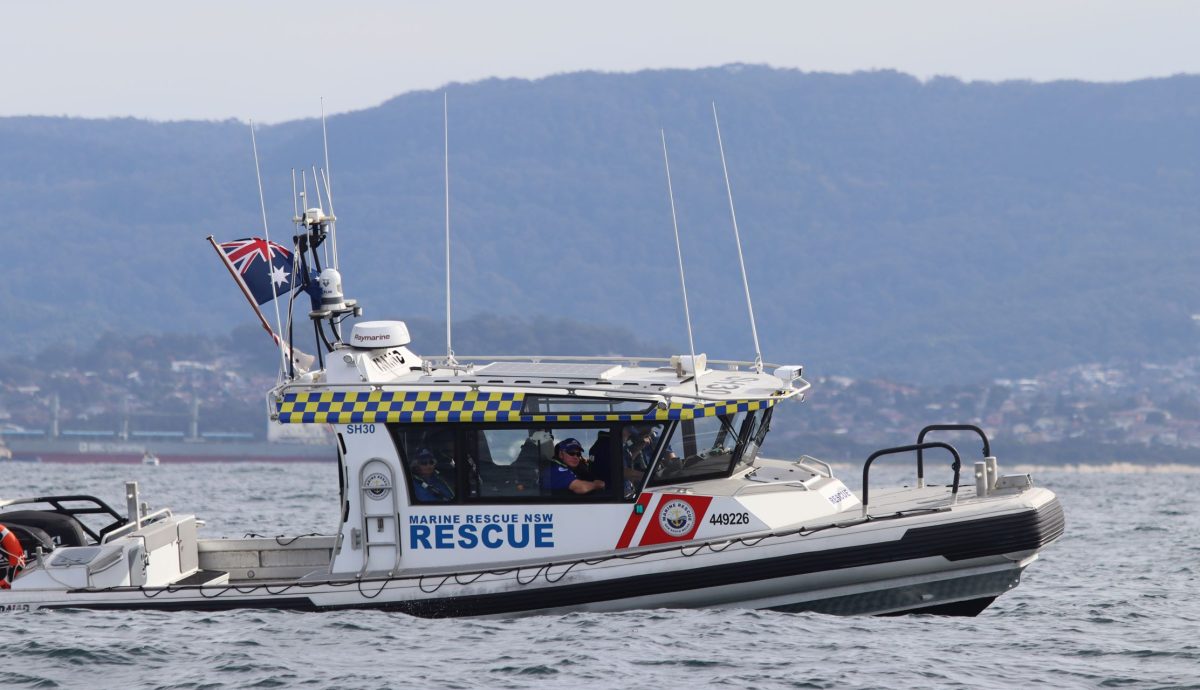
(615, 359)
(649, 392)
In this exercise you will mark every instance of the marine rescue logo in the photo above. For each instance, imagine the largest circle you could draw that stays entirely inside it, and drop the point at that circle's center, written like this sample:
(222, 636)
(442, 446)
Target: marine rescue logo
(676, 518)
(377, 486)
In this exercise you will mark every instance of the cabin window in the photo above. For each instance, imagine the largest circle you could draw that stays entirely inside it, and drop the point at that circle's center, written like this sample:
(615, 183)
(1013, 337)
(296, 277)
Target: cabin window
(544, 404)
(428, 453)
(509, 463)
(759, 424)
(516, 463)
(506, 462)
(702, 448)
(640, 444)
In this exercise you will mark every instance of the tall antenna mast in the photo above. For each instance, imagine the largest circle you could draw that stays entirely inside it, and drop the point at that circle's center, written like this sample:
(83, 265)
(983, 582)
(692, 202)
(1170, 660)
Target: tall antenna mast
(262, 202)
(320, 205)
(303, 190)
(450, 361)
(679, 252)
(332, 219)
(328, 177)
(317, 186)
(295, 199)
(758, 360)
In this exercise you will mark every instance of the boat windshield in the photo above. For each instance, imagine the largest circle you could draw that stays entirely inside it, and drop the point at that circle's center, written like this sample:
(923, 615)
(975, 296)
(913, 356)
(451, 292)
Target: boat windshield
(704, 448)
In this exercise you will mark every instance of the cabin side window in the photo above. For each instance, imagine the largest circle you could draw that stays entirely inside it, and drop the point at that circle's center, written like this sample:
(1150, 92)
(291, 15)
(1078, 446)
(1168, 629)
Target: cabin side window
(506, 463)
(540, 463)
(548, 404)
(550, 462)
(429, 456)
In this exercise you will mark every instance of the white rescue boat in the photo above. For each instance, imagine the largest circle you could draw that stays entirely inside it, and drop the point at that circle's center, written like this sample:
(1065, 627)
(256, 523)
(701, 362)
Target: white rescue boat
(450, 505)
(500, 486)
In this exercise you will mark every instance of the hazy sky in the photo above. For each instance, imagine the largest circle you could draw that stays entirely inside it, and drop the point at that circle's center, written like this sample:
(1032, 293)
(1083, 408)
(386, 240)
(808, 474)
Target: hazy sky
(271, 60)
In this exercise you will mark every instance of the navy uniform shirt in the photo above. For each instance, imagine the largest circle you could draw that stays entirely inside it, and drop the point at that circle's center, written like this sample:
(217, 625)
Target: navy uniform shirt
(432, 490)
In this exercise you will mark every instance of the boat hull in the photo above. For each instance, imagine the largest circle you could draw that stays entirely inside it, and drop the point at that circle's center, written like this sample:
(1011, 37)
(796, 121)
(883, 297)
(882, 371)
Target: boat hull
(931, 562)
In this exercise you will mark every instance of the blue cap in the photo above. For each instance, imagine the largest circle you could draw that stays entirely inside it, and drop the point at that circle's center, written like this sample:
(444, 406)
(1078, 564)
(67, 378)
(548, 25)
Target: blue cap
(568, 444)
(423, 456)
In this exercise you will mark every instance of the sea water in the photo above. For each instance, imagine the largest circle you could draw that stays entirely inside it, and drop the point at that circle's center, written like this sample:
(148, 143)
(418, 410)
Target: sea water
(1115, 602)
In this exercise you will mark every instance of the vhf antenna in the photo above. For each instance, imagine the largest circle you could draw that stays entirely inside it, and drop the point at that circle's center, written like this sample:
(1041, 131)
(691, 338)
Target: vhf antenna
(450, 361)
(321, 206)
(262, 202)
(295, 199)
(327, 176)
(317, 188)
(758, 360)
(679, 252)
(332, 219)
(297, 273)
(299, 205)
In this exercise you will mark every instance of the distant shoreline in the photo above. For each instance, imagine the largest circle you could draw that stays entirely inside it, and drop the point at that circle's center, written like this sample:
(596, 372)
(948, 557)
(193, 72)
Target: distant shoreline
(1071, 468)
(1112, 468)
(1056, 455)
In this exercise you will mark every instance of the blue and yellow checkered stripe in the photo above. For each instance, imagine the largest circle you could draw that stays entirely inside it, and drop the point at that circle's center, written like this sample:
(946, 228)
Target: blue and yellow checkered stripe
(358, 407)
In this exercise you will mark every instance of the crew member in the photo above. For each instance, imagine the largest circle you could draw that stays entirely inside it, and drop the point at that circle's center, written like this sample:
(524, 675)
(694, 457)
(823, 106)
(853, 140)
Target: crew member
(637, 449)
(428, 485)
(569, 473)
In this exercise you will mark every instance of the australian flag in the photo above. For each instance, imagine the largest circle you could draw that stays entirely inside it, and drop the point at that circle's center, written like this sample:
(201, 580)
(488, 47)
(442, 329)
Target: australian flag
(264, 267)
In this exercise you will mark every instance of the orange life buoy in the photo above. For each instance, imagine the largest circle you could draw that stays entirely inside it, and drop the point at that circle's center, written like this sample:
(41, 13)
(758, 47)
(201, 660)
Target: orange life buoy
(12, 553)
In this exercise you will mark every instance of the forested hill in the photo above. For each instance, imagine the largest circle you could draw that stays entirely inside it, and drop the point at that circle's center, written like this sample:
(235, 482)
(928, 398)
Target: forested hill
(934, 230)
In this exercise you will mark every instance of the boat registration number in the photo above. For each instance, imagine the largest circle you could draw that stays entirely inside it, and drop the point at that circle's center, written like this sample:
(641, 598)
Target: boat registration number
(729, 519)
(841, 495)
(728, 385)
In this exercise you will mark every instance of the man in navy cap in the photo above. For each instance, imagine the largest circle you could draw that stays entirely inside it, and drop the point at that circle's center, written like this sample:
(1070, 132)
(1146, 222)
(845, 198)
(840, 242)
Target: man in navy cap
(428, 485)
(569, 474)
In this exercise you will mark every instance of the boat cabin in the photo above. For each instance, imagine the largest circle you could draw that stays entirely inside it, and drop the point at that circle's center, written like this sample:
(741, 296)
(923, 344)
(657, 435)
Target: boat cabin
(464, 461)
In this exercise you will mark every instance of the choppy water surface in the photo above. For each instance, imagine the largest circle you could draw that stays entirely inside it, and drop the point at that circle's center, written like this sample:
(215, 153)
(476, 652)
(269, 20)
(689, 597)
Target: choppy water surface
(1114, 603)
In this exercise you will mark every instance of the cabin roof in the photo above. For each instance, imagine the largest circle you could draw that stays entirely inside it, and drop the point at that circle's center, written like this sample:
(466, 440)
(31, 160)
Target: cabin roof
(502, 391)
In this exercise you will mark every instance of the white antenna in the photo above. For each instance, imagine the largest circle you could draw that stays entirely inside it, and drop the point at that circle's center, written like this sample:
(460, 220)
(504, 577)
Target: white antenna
(446, 161)
(332, 220)
(317, 185)
(262, 202)
(292, 284)
(320, 205)
(304, 191)
(295, 199)
(682, 281)
(326, 176)
(758, 360)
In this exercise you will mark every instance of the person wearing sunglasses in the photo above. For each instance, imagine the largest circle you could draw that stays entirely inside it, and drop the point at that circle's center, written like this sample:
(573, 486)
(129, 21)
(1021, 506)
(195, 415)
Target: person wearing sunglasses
(569, 473)
(428, 485)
